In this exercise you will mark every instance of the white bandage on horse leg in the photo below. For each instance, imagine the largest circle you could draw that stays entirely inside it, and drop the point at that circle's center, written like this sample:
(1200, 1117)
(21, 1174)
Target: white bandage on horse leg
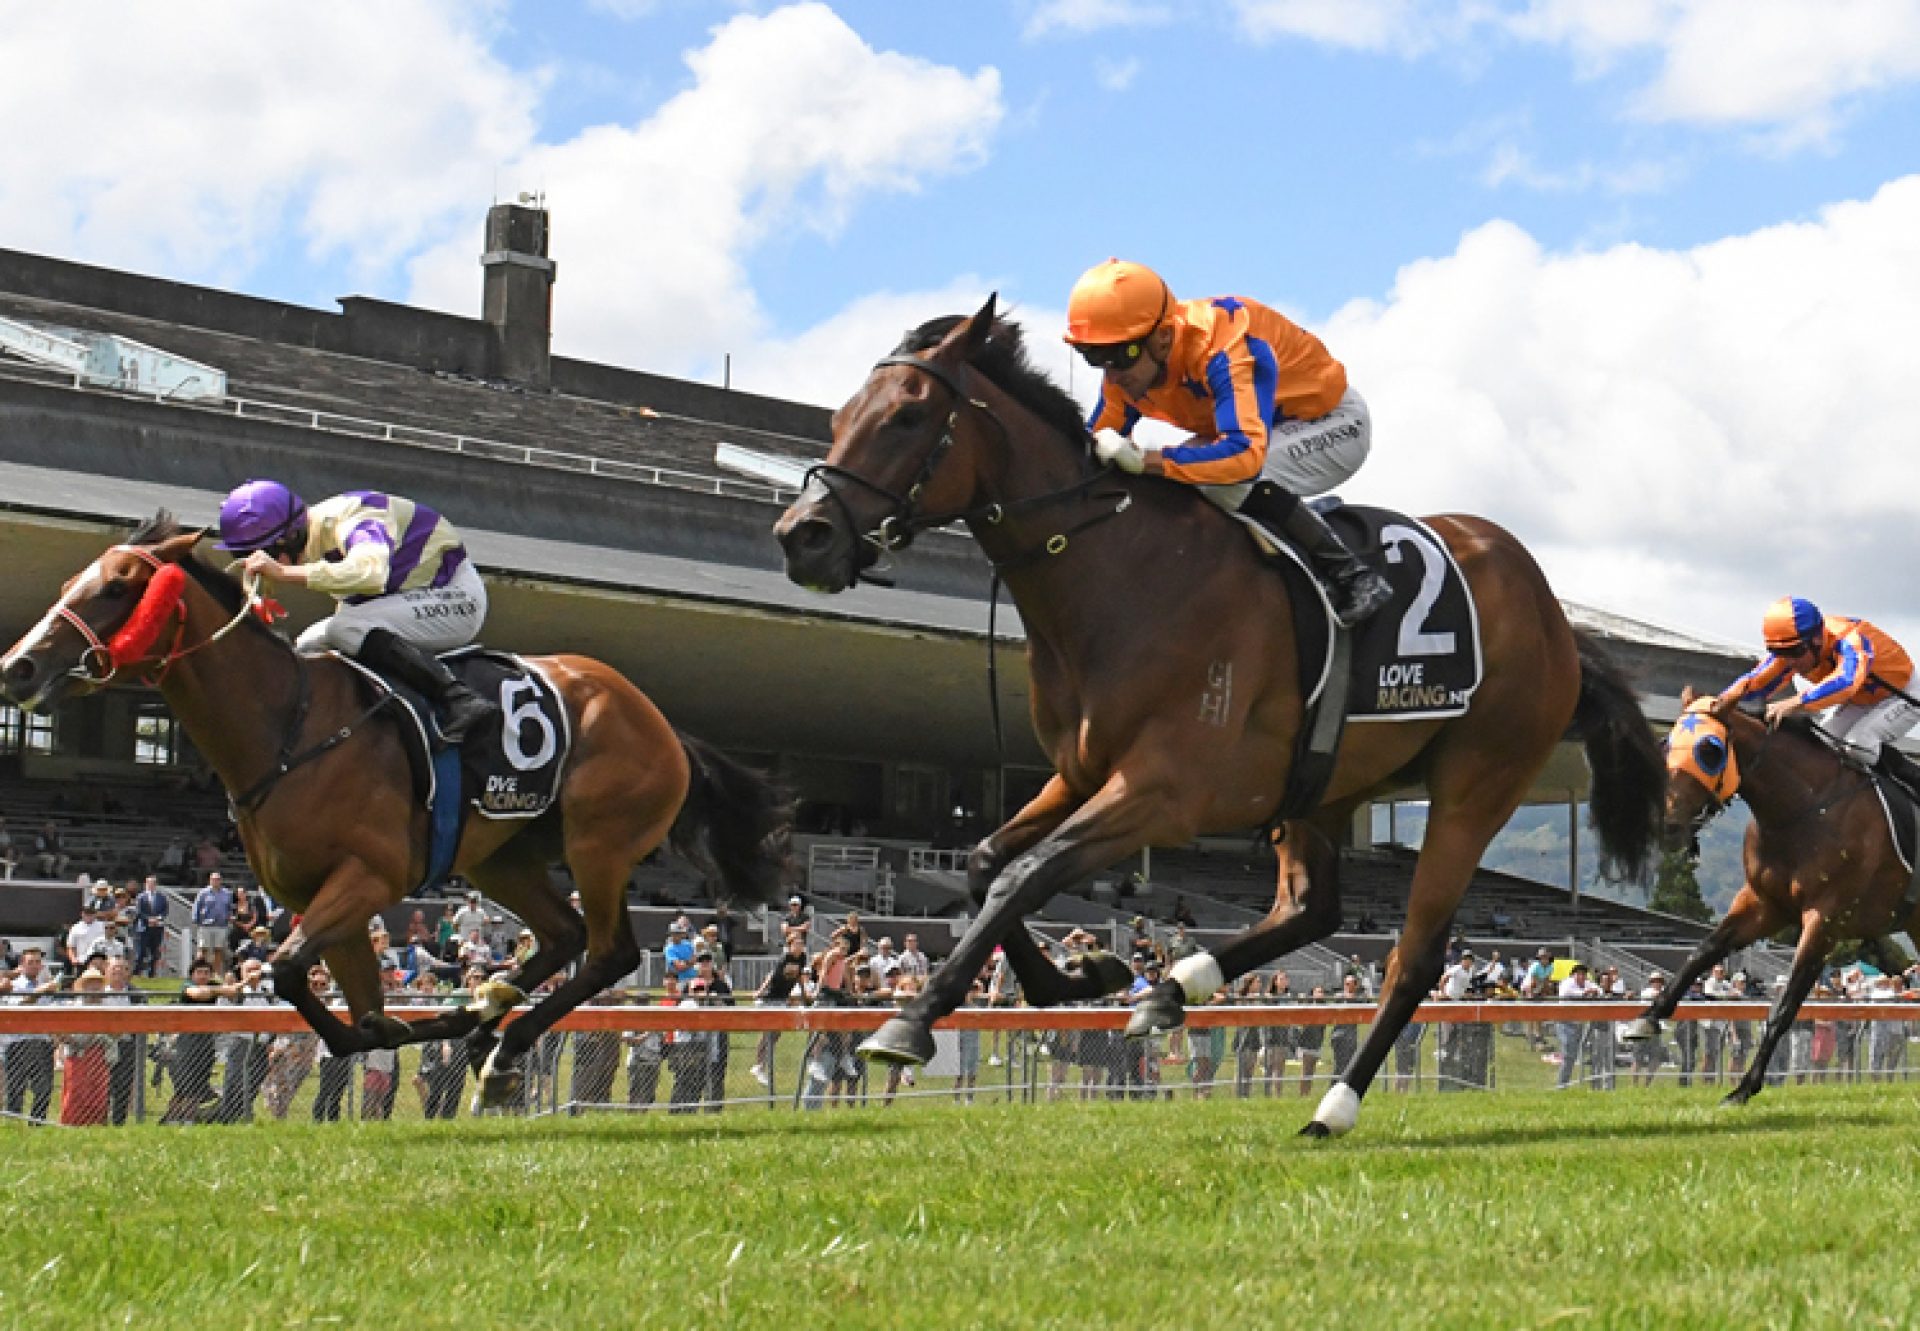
(1199, 975)
(1339, 1109)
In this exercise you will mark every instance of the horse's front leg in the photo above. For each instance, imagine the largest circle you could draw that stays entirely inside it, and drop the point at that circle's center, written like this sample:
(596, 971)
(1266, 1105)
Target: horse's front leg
(1306, 908)
(1043, 983)
(1126, 814)
(1816, 940)
(1749, 919)
(335, 927)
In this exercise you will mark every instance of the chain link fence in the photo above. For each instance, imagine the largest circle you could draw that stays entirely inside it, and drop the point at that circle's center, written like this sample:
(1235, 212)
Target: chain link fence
(64, 1063)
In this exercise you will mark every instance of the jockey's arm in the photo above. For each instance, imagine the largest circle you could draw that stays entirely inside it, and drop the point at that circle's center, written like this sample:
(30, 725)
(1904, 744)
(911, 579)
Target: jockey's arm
(1762, 680)
(361, 570)
(1849, 677)
(1242, 391)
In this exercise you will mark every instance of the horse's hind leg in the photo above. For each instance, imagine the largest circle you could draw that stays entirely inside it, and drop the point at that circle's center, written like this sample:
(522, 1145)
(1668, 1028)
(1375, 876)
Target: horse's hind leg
(1042, 983)
(1306, 908)
(1473, 795)
(601, 851)
(1808, 958)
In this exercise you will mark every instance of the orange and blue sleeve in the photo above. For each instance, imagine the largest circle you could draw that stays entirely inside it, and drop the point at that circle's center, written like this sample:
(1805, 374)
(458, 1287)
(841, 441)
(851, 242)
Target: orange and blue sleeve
(1849, 677)
(1762, 680)
(1241, 379)
(1112, 412)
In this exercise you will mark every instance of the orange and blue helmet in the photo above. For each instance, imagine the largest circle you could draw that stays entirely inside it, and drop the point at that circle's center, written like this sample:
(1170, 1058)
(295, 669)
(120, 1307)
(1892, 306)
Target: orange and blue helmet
(1116, 303)
(1791, 622)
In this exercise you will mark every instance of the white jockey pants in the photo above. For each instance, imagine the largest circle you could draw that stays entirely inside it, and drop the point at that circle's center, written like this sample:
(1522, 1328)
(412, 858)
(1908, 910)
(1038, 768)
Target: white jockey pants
(1862, 729)
(1309, 457)
(436, 619)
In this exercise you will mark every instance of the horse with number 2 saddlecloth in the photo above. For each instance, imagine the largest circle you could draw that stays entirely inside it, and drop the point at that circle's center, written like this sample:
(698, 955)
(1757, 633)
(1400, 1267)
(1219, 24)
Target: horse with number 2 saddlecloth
(1135, 592)
(330, 822)
(1818, 853)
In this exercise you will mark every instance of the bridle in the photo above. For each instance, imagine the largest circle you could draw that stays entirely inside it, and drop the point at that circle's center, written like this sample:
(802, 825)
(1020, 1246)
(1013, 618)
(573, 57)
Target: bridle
(904, 519)
(97, 651)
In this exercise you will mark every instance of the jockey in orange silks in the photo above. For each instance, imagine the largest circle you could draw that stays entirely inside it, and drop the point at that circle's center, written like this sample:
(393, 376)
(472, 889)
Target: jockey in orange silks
(1270, 412)
(1855, 676)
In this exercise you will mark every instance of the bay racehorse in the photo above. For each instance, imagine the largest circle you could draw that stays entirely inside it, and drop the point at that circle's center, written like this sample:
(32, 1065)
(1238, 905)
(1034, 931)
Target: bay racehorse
(323, 794)
(1818, 855)
(1135, 594)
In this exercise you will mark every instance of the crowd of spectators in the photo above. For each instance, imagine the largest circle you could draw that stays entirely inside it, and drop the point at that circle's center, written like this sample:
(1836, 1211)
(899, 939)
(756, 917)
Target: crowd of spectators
(440, 960)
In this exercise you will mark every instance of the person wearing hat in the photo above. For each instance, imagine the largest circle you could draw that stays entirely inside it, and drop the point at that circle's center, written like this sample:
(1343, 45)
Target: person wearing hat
(403, 585)
(470, 916)
(1269, 413)
(1572, 1033)
(677, 956)
(1857, 680)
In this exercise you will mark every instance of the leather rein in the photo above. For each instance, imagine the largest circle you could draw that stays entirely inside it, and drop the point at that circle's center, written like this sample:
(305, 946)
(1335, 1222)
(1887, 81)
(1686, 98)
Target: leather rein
(905, 521)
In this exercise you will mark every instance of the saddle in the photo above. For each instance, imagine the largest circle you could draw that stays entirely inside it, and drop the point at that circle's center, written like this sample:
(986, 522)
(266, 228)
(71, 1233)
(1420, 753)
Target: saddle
(1417, 659)
(512, 770)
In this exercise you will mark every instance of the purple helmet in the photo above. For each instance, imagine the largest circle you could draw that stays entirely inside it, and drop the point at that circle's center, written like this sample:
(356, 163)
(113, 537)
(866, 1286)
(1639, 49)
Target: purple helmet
(258, 515)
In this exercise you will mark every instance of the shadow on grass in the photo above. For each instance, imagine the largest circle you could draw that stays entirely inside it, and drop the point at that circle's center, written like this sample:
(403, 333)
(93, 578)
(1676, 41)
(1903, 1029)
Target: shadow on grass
(641, 1129)
(1701, 1122)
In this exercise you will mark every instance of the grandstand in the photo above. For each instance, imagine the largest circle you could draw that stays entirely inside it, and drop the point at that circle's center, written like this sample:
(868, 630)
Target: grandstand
(591, 499)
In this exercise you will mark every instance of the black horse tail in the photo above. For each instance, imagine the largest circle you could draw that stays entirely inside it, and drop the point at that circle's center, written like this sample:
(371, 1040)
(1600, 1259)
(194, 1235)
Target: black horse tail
(736, 824)
(1629, 771)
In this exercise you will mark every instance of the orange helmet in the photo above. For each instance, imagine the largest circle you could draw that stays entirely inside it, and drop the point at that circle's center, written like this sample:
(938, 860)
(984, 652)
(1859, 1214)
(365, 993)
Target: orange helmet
(1789, 622)
(1114, 302)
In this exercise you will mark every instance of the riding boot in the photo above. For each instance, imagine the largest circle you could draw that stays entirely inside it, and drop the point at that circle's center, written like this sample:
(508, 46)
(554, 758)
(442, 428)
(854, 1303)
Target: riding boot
(461, 709)
(1355, 589)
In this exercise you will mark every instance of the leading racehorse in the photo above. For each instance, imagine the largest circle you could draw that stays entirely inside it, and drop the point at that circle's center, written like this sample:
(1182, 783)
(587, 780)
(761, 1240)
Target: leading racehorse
(1166, 688)
(323, 794)
(1818, 853)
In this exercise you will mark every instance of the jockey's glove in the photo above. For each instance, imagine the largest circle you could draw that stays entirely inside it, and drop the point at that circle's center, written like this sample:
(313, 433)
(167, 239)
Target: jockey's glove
(1116, 450)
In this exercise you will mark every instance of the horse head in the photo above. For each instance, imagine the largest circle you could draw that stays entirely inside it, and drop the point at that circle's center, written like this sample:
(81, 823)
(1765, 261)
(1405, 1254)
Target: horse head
(1703, 772)
(905, 457)
(107, 617)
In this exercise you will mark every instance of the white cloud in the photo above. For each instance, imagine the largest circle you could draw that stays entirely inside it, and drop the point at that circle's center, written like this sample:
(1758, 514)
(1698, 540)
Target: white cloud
(1683, 435)
(790, 120)
(1116, 75)
(190, 137)
(1082, 16)
(1789, 66)
(1744, 62)
(1405, 27)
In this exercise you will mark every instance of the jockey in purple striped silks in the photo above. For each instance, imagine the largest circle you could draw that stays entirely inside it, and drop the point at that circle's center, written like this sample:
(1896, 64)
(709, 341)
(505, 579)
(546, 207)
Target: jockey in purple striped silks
(404, 586)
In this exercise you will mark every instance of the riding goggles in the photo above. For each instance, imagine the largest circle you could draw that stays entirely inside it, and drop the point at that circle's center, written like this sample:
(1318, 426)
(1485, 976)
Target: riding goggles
(1114, 355)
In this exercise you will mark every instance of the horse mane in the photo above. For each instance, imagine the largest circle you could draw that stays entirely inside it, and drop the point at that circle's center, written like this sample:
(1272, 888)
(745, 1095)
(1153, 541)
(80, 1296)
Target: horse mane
(217, 583)
(1004, 360)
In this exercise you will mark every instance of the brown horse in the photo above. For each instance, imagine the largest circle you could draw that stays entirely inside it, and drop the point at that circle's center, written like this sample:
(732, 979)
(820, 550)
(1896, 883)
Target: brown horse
(1818, 853)
(1138, 598)
(325, 805)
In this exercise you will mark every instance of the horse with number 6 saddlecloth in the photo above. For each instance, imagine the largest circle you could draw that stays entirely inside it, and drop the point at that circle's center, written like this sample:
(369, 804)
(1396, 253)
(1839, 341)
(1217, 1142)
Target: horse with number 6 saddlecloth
(1139, 598)
(1820, 853)
(326, 807)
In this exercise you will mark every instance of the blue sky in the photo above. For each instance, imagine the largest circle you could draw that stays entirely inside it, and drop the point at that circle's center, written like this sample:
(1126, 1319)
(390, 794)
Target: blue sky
(1638, 278)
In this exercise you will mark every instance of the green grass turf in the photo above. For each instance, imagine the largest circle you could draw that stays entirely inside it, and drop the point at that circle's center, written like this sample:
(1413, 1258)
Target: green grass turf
(1639, 1208)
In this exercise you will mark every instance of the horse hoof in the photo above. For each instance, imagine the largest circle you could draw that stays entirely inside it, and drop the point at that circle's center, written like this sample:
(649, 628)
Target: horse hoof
(1161, 1010)
(1641, 1028)
(899, 1041)
(494, 999)
(1339, 1110)
(1316, 1130)
(1735, 1100)
(385, 1032)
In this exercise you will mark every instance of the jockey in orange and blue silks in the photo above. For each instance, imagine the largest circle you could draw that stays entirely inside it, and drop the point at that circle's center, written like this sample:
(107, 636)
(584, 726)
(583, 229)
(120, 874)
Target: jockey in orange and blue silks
(1269, 411)
(1855, 675)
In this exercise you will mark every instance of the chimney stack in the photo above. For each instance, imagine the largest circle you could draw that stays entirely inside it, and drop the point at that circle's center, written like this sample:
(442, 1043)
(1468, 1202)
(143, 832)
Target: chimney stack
(518, 305)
